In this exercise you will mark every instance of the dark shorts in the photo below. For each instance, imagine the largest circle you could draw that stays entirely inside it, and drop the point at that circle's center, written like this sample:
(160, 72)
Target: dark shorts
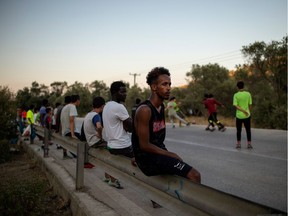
(153, 164)
(127, 152)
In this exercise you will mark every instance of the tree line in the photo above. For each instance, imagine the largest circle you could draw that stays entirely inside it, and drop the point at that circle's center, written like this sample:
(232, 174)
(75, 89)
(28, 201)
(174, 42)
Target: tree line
(264, 74)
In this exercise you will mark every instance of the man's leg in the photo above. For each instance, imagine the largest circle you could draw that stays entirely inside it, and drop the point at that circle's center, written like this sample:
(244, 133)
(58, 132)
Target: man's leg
(171, 120)
(247, 125)
(239, 130)
(194, 175)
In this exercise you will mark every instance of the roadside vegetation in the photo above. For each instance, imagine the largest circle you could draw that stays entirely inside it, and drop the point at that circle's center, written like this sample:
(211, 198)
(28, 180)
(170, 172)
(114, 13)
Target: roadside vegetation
(24, 188)
(264, 74)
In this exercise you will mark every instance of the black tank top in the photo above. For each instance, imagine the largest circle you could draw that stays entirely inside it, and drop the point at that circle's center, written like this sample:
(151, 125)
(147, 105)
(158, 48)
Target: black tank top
(157, 129)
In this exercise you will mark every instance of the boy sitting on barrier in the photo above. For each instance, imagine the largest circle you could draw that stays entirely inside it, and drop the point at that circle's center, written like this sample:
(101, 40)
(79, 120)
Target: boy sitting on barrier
(91, 130)
(92, 124)
(148, 135)
(68, 126)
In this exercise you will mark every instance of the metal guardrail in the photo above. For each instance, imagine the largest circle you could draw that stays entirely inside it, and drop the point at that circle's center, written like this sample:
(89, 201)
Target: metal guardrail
(204, 198)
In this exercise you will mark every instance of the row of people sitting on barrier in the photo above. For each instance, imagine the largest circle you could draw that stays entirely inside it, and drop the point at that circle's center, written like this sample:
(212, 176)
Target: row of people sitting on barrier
(146, 148)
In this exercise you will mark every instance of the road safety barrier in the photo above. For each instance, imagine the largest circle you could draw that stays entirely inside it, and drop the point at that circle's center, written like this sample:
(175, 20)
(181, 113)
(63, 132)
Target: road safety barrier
(201, 197)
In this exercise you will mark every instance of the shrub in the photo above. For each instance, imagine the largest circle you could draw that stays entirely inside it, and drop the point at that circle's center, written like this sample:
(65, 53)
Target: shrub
(21, 198)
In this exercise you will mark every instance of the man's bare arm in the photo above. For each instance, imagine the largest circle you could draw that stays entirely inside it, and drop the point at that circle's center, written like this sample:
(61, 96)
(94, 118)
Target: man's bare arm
(142, 118)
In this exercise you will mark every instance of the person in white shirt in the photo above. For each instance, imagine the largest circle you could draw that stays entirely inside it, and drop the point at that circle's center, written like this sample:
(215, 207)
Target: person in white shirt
(67, 116)
(92, 124)
(117, 122)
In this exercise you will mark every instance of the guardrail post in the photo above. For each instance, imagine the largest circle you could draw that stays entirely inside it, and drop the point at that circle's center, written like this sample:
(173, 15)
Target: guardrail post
(86, 156)
(80, 166)
(46, 135)
(31, 131)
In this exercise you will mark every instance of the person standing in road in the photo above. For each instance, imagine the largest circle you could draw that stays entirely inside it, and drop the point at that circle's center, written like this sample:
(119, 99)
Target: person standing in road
(242, 101)
(149, 132)
(172, 108)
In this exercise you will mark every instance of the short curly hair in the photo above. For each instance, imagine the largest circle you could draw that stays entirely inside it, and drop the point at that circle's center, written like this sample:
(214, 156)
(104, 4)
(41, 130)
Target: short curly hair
(155, 73)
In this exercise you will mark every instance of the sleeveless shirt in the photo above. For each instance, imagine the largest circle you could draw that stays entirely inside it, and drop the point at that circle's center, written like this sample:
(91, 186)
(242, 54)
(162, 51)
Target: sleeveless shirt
(157, 130)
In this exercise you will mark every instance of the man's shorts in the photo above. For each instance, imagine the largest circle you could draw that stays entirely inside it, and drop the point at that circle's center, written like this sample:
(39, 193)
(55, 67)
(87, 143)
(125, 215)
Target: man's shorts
(153, 164)
(128, 152)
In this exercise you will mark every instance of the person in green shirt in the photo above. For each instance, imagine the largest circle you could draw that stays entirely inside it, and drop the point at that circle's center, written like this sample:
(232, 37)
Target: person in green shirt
(30, 121)
(173, 111)
(242, 101)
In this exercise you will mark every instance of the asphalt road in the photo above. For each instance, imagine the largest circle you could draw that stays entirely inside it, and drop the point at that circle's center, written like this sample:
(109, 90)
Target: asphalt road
(259, 175)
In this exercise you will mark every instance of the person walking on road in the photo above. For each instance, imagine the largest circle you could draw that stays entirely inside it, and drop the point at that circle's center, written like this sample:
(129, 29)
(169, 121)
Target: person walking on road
(172, 108)
(211, 104)
(242, 101)
(149, 132)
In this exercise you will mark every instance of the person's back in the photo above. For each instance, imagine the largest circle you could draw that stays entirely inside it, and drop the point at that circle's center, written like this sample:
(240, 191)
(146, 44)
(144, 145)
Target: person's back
(67, 111)
(92, 122)
(242, 99)
(65, 119)
(42, 111)
(30, 115)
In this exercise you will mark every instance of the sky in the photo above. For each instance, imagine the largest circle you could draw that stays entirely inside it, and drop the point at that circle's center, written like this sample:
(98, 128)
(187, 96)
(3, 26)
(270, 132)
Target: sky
(84, 41)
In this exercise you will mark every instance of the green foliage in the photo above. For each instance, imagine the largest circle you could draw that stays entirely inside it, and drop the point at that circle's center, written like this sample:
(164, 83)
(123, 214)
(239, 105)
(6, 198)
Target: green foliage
(21, 197)
(99, 88)
(5, 154)
(209, 76)
(268, 82)
(58, 88)
(7, 114)
(265, 76)
(85, 97)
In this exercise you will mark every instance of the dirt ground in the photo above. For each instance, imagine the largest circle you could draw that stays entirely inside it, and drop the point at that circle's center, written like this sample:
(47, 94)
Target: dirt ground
(23, 168)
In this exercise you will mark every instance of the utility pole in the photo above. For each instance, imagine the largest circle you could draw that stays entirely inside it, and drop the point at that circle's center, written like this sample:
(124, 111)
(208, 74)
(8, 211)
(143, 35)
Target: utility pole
(135, 74)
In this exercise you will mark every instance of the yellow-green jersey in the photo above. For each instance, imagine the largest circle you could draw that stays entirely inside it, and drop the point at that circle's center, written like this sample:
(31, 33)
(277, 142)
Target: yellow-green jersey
(242, 99)
(30, 117)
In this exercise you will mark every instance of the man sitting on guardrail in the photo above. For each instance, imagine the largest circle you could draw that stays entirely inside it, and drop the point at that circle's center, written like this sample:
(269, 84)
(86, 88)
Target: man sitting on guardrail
(148, 135)
(117, 122)
(68, 114)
